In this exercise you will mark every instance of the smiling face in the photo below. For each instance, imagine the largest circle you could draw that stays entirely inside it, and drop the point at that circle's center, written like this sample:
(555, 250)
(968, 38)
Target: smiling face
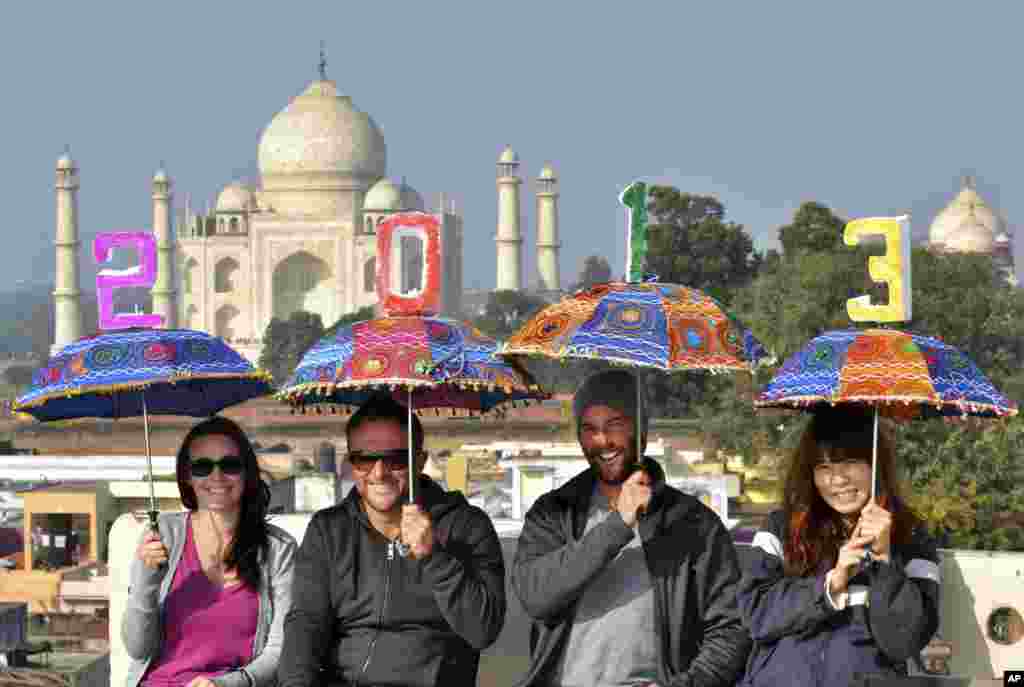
(608, 442)
(843, 479)
(380, 487)
(217, 491)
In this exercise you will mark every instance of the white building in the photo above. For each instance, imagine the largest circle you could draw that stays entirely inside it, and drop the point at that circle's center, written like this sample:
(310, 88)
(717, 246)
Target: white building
(970, 225)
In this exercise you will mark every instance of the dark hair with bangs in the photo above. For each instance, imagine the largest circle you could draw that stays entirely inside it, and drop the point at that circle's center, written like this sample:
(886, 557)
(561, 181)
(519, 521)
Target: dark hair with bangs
(251, 536)
(816, 532)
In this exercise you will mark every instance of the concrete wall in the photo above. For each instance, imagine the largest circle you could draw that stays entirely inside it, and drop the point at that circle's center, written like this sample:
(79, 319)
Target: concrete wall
(975, 583)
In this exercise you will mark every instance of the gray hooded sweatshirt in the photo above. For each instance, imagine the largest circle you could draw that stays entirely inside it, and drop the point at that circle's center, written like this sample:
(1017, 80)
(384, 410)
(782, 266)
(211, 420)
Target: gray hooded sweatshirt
(142, 623)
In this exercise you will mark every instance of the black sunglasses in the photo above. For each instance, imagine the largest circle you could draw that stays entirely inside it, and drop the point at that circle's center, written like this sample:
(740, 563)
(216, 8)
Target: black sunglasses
(229, 465)
(396, 460)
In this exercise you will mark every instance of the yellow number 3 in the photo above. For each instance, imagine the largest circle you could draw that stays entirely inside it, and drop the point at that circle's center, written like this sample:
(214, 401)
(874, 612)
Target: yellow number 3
(892, 269)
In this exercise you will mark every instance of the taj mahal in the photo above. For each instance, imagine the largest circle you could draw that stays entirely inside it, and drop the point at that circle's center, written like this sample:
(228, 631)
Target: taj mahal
(304, 238)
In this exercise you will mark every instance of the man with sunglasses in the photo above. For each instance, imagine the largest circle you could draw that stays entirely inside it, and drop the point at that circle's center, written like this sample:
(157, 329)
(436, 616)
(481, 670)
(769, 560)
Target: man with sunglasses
(628, 580)
(387, 592)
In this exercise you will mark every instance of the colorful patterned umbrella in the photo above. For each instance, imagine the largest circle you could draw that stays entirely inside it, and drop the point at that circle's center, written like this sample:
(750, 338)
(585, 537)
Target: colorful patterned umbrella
(905, 374)
(182, 372)
(901, 375)
(643, 325)
(134, 373)
(661, 326)
(445, 364)
(425, 362)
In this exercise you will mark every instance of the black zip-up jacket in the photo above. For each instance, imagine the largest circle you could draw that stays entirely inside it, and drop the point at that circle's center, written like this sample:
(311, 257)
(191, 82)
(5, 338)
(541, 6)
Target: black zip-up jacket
(801, 640)
(363, 615)
(694, 570)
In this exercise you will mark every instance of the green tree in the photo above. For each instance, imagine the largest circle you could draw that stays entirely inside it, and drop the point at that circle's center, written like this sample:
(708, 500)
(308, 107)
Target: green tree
(596, 270)
(691, 243)
(507, 311)
(368, 312)
(18, 375)
(286, 341)
(815, 229)
(967, 480)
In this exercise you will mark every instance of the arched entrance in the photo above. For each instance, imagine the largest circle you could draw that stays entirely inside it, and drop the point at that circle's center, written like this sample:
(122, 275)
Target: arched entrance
(225, 321)
(302, 282)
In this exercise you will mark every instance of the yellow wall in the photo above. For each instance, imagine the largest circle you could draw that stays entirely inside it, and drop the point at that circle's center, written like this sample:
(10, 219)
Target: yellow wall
(457, 473)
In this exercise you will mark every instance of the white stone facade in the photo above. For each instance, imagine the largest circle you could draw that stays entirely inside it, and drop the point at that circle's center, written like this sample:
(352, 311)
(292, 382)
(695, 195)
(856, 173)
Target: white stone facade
(305, 240)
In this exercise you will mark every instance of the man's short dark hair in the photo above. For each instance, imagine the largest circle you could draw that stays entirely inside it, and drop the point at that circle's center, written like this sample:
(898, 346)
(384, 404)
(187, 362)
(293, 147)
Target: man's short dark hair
(381, 407)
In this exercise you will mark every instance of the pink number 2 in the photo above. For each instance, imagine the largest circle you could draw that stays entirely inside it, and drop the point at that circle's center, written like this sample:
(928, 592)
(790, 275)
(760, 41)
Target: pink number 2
(143, 274)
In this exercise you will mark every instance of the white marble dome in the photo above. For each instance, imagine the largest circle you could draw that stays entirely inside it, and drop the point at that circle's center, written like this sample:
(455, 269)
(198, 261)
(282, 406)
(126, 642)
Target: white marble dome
(966, 225)
(320, 133)
(384, 196)
(235, 198)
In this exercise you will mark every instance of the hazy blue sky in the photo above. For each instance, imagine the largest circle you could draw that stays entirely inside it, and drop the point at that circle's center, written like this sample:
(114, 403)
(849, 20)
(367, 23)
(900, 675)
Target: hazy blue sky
(870, 107)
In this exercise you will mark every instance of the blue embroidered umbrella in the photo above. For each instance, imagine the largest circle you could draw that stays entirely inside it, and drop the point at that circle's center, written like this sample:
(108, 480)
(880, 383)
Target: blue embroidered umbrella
(142, 372)
(901, 375)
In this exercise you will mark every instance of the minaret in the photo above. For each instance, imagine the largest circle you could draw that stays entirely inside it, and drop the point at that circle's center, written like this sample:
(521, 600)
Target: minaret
(547, 230)
(509, 238)
(164, 301)
(67, 309)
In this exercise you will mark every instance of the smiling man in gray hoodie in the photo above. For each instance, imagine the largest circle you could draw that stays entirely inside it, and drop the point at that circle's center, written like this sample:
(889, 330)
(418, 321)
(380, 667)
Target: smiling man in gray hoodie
(628, 580)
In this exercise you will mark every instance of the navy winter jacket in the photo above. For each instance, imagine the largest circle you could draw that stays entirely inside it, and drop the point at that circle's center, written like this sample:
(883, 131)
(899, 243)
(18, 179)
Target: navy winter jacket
(801, 640)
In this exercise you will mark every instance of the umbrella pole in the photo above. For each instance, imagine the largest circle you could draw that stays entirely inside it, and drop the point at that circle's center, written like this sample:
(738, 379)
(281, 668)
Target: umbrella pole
(412, 465)
(153, 512)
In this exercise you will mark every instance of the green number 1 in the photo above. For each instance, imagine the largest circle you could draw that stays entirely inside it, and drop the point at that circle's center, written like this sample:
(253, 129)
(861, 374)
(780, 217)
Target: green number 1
(634, 198)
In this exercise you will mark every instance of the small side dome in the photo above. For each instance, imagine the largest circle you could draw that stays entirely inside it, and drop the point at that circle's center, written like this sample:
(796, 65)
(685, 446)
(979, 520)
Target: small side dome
(160, 176)
(411, 199)
(508, 156)
(383, 196)
(547, 173)
(65, 161)
(235, 198)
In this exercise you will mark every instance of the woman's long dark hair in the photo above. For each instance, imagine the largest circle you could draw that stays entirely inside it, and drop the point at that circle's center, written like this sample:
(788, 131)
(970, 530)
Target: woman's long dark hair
(814, 531)
(251, 535)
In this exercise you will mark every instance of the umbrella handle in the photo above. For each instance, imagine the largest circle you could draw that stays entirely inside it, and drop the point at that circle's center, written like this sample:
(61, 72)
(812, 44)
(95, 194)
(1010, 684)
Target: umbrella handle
(152, 512)
(869, 551)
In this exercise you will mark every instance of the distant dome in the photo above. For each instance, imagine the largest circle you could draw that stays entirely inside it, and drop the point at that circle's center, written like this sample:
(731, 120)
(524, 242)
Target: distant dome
(320, 133)
(235, 198)
(547, 173)
(65, 162)
(160, 175)
(411, 199)
(966, 225)
(508, 156)
(383, 196)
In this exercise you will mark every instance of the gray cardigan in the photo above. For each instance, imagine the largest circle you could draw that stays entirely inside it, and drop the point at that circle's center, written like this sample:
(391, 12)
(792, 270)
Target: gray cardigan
(142, 622)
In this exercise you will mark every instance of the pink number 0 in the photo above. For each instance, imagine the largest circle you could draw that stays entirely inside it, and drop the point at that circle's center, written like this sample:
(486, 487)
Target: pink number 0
(143, 274)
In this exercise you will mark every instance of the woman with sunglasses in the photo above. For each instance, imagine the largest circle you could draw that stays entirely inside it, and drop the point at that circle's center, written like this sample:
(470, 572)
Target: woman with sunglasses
(839, 586)
(210, 590)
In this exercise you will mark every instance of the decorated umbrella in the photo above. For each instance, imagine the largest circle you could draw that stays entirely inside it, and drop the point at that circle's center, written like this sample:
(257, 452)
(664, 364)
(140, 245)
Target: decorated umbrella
(142, 372)
(640, 324)
(424, 361)
(902, 375)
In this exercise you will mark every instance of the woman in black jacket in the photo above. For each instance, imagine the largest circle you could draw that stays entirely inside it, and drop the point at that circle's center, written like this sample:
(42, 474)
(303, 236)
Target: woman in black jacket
(839, 586)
